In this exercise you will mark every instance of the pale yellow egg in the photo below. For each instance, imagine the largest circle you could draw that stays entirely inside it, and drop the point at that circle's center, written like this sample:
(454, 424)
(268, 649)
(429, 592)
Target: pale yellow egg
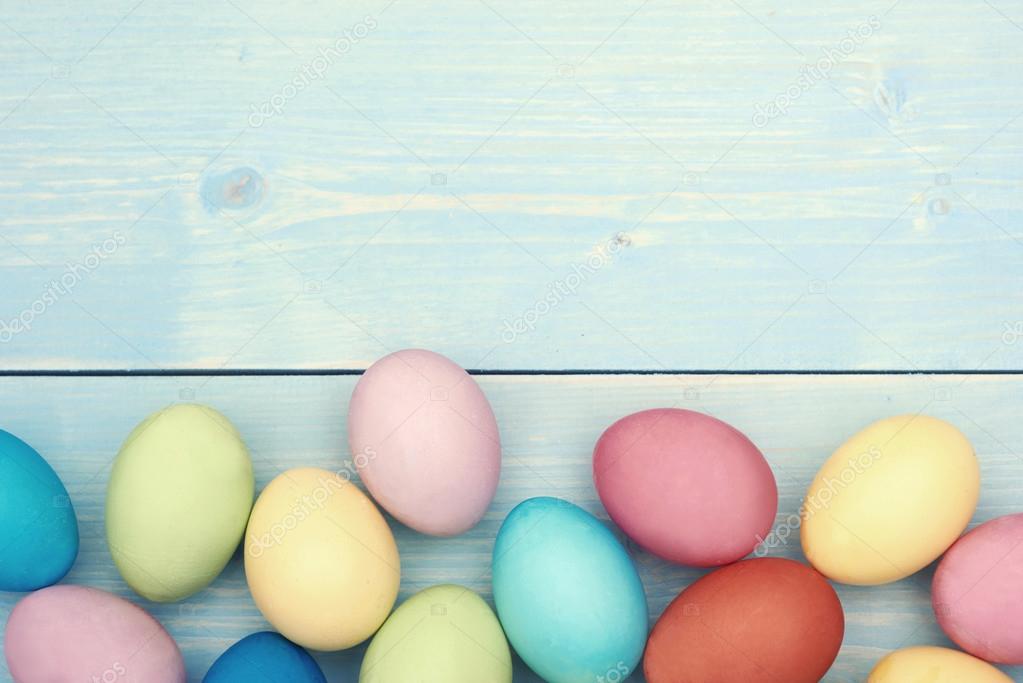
(890, 500)
(320, 560)
(934, 665)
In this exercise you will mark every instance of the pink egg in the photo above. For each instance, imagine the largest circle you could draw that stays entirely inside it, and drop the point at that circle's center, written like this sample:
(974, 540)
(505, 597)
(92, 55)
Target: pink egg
(977, 592)
(685, 486)
(425, 441)
(74, 633)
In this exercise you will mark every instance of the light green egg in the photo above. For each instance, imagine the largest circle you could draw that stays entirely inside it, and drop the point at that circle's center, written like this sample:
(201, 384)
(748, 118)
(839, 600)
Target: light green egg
(443, 634)
(178, 500)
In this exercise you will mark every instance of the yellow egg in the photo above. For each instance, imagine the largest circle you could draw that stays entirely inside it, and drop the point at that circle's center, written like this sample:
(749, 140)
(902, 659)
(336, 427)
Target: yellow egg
(934, 665)
(890, 500)
(321, 562)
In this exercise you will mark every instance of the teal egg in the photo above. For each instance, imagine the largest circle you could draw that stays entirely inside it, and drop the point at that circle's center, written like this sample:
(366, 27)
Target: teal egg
(38, 528)
(567, 594)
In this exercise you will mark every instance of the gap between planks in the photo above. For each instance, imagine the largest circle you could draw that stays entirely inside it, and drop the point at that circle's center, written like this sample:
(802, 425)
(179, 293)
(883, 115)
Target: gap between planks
(333, 372)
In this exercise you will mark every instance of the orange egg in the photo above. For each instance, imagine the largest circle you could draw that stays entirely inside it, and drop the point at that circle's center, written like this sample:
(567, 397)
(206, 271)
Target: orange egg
(768, 620)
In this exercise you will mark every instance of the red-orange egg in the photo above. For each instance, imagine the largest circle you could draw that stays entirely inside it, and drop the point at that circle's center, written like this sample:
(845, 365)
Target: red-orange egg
(767, 620)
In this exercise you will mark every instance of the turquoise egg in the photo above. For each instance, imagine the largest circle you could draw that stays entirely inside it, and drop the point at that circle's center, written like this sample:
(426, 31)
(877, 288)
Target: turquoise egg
(38, 528)
(264, 657)
(567, 594)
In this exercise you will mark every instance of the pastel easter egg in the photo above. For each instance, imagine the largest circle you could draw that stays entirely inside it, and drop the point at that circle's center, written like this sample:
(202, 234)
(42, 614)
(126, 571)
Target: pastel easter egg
(320, 560)
(264, 657)
(978, 591)
(74, 633)
(178, 500)
(890, 500)
(685, 486)
(567, 594)
(425, 441)
(934, 665)
(38, 528)
(442, 634)
(756, 621)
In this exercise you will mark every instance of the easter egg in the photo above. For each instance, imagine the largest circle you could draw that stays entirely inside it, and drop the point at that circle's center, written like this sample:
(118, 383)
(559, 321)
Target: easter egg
(443, 634)
(178, 500)
(756, 621)
(890, 500)
(38, 528)
(934, 665)
(685, 486)
(978, 591)
(425, 441)
(567, 594)
(320, 560)
(265, 657)
(74, 633)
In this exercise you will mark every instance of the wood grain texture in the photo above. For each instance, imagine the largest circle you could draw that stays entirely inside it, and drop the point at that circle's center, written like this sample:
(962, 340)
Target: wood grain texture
(548, 428)
(452, 171)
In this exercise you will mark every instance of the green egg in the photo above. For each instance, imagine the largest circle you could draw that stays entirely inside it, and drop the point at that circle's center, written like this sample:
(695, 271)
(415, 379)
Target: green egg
(443, 634)
(178, 500)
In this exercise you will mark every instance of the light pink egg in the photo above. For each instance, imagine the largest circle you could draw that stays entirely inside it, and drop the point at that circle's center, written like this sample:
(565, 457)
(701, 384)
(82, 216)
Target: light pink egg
(425, 441)
(977, 592)
(685, 486)
(74, 633)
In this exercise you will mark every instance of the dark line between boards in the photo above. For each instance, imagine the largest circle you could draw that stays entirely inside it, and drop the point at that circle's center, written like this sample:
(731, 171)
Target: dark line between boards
(329, 372)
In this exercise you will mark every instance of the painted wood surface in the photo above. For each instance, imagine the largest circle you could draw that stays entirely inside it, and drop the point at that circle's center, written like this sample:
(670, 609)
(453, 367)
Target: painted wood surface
(548, 428)
(520, 185)
(523, 184)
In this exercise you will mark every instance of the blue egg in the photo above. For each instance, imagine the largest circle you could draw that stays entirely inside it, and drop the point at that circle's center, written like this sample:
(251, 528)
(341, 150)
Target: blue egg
(567, 594)
(264, 657)
(38, 528)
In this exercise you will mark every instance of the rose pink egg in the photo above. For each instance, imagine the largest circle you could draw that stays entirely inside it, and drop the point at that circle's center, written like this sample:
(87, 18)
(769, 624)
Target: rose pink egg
(74, 633)
(685, 486)
(977, 592)
(425, 441)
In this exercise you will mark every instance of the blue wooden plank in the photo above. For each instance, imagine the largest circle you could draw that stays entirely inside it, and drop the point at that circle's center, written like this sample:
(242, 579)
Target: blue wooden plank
(309, 185)
(548, 428)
